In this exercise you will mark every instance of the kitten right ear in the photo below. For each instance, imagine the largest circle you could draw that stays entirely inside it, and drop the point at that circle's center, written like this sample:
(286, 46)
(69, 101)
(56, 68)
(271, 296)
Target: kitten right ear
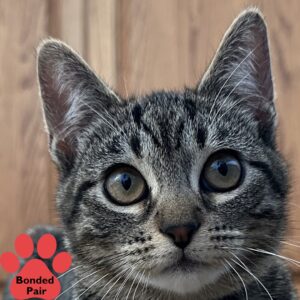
(240, 73)
(72, 95)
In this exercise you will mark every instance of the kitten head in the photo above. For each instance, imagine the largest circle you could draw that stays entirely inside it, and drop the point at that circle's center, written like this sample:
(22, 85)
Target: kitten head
(172, 187)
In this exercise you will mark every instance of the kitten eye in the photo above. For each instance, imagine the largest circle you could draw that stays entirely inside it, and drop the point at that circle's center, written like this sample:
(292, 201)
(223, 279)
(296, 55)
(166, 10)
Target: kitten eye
(222, 172)
(125, 185)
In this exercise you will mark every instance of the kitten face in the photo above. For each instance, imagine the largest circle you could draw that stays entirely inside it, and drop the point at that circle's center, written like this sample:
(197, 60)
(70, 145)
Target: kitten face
(168, 187)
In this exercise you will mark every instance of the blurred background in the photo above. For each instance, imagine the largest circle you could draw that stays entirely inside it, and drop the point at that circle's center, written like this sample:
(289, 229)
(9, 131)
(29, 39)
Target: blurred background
(136, 46)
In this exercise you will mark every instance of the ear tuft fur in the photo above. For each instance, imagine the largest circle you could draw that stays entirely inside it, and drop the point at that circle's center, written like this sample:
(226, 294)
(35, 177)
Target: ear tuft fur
(71, 94)
(241, 68)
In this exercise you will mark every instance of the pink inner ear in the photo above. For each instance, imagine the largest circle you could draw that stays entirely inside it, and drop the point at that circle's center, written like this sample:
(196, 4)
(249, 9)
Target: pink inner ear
(55, 102)
(72, 94)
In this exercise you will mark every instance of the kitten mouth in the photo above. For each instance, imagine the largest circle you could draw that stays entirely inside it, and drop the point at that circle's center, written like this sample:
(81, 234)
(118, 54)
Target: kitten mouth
(184, 264)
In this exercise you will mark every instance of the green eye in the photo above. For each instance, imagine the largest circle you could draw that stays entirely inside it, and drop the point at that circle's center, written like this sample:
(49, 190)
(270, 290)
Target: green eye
(125, 185)
(222, 172)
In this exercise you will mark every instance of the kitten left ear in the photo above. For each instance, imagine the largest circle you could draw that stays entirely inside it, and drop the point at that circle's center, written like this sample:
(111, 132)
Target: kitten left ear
(241, 69)
(72, 97)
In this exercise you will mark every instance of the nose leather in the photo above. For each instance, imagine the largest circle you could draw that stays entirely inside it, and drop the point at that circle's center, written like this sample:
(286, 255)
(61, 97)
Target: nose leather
(181, 234)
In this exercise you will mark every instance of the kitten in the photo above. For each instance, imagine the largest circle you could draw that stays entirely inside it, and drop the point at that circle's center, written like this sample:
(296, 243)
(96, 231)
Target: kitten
(171, 195)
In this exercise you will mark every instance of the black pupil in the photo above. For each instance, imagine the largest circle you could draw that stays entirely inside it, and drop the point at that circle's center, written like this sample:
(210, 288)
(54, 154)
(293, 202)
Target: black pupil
(222, 168)
(126, 181)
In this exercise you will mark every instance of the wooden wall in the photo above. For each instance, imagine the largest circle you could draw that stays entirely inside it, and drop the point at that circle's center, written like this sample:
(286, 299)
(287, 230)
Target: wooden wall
(136, 46)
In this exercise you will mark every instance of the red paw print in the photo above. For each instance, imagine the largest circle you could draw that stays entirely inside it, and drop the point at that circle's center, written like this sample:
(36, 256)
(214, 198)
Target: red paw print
(35, 280)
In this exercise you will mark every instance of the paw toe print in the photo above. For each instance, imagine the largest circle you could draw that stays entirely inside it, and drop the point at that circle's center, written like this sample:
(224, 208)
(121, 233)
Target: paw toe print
(35, 279)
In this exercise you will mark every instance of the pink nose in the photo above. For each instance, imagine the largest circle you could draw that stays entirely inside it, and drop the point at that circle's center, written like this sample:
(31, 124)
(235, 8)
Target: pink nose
(181, 234)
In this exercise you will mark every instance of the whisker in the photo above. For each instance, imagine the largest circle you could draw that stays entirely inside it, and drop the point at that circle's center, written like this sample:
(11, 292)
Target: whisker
(119, 274)
(112, 258)
(288, 259)
(137, 285)
(124, 282)
(115, 262)
(132, 285)
(294, 261)
(92, 285)
(146, 285)
(249, 272)
(240, 277)
(62, 275)
(76, 284)
(290, 244)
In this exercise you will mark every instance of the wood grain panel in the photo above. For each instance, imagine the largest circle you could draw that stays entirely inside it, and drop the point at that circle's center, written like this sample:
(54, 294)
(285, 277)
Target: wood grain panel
(147, 46)
(67, 22)
(24, 161)
(168, 44)
(100, 46)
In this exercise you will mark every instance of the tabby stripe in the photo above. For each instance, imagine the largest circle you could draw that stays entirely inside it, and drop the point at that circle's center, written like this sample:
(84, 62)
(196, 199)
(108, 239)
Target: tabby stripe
(137, 118)
(137, 115)
(150, 132)
(201, 137)
(178, 135)
(136, 145)
(263, 167)
(190, 107)
(83, 188)
(113, 145)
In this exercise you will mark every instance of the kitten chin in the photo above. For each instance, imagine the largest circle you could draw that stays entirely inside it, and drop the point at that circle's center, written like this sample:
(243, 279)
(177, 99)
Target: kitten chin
(183, 282)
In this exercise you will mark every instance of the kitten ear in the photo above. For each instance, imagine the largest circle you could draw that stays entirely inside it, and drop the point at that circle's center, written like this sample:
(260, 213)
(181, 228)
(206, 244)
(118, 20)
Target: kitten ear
(71, 95)
(241, 68)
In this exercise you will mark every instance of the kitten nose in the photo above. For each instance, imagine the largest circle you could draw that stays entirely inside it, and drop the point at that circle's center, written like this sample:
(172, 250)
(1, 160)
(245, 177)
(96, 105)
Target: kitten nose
(181, 234)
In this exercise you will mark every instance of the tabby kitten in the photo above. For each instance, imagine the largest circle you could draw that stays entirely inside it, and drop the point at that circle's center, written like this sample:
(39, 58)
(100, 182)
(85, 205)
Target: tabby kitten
(171, 195)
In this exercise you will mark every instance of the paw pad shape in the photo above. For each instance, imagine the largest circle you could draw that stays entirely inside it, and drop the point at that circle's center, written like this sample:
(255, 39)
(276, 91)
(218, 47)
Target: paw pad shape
(35, 280)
